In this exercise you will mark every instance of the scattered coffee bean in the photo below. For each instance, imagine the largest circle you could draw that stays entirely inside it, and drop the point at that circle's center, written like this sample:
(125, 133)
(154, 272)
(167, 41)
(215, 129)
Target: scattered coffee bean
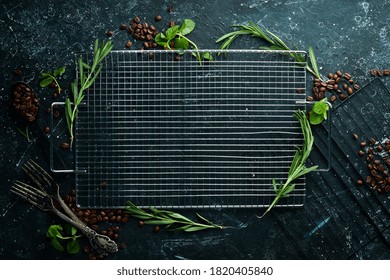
(46, 129)
(65, 146)
(141, 223)
(17, 72)
(56, 114)
(109, 33)
(171, 23)
(156, 229)
(136, 19)
(373, 72)
(342, 97)
(361, 153)
(359, 182)
(386, 72)
(157, 18)
(333, 98)
(123, 26)
(350, 91)
(355, 136)
(129, 44)
(339, 73)
(380, 72)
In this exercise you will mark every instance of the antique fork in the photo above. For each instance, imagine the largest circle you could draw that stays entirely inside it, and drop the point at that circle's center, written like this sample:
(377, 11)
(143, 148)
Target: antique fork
(42, 199)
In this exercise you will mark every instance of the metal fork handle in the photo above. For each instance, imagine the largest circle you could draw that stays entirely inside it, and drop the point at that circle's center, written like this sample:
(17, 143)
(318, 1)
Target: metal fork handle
(103, 244)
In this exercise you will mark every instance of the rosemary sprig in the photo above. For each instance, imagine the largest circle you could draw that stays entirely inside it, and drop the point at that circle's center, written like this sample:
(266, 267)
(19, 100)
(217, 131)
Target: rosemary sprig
(275, 44)
(298, 167)
(87, 76)
(172, 220)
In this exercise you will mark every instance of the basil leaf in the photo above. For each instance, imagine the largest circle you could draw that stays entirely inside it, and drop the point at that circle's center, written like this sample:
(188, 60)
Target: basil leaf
(172, 32)
(320, 107)
(73, 247)
(45, 82)
(181, 43)
(54, 231)
(56, 245)
(187, 27)
(315, 118)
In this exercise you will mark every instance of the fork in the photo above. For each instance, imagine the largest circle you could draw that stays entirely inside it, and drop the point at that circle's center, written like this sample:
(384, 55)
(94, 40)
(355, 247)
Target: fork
(39, 197)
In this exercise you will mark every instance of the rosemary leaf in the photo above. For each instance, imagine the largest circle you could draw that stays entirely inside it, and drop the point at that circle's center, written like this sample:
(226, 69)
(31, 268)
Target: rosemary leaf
(313, 61)
(173, 221)
(298, 167)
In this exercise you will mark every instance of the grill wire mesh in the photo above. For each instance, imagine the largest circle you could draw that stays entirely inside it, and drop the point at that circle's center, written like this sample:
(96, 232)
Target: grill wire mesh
(184, 134)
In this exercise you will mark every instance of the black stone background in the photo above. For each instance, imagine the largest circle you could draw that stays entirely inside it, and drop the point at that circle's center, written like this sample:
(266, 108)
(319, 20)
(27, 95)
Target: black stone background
(39, 35)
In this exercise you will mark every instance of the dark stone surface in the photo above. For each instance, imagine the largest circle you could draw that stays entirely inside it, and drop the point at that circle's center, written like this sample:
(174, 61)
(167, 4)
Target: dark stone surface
(42, 35)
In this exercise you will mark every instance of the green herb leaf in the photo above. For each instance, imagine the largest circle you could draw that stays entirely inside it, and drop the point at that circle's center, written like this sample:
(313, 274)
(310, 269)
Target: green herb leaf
(172, 32)
(319, 111)
(298, 167)
(73, 247)
(319, 108)
(45, 82)
(313, 61)
(59, 71)
(56, 245)
(181, 43)
(207, 56)
(46, 74)
(172, 220)
(187, 27)
(54, 231)
(160, 39)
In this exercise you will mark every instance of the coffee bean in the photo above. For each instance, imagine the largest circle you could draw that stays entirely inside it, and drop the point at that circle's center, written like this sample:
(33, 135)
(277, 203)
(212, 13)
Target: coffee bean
(125, 220)
(335, 87)
(361, 153)
(333, 98)
(386, 72)
(116, 229)
(93, 221)
(351, 81)
(380, 72)
(171, 23)
(372, 141)
(146, 45)
(115, 236)
(345, 86)
(347, 76)
(331, 82)
(342, 96)
(149, 37)
(363, 144)
(95, 227)
(86, 249)
(113, 218)
(376, 162)
(359, 182)
(123, 26)
(339, 73)
(17, 72)
(156, 229)
(329, 87)
(322, 89)
(141, 223)
(356, 87)
(300, 90)
(136, 19)
(128, 44)
(379, 148)
(330, 75)
(46, 129)
(350, 91)
(309, 98)
(157, 18)
(154, 45)
(373, 72)
(118, 219)
(65, 146)
(56, 114)
(109, 33)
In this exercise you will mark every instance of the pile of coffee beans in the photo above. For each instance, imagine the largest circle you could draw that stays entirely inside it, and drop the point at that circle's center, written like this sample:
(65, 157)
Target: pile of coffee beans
(377, 158)
(339, 85)
(141, 31)
(103, 221)
(25, 102)
(379, 72)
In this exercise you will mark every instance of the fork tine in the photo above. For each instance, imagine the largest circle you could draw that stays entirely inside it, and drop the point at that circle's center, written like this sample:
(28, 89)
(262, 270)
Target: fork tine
(35, 196)
(39, 176)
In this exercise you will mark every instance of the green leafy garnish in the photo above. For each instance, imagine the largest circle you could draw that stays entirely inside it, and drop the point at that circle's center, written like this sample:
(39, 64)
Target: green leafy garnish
(298, 167)
(177, 34)
(275, 44)
(172, 220)
(25, 133)
(87, 76)
(319, 112)
(55, 233)
(48, 77)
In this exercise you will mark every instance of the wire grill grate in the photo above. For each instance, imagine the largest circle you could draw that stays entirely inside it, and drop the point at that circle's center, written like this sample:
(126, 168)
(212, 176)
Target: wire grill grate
(175, 134)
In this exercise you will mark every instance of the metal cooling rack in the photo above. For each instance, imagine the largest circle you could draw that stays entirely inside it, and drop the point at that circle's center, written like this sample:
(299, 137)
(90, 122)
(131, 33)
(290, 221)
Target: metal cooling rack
(177, 134)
